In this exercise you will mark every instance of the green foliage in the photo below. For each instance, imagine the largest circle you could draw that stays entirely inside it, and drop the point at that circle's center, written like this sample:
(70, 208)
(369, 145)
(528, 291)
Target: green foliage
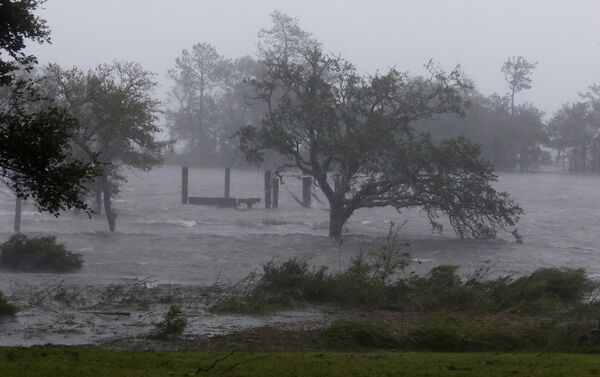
(35, 152)
(172, 325)
(574, 132)
(19, 23)
(379, 280)
(443, 333)
(35, 155)
(545, 289)
(354, 334)
(118, 119)
(24, 254)
(6, 308)
(355, 135)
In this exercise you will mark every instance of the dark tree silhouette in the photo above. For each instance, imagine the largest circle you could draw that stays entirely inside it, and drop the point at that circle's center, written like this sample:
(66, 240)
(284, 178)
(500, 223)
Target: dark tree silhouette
(35, 152)
(353, 134)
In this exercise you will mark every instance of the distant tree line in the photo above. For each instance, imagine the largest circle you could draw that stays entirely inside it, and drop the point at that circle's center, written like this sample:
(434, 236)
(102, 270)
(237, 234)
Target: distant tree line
(213, 97)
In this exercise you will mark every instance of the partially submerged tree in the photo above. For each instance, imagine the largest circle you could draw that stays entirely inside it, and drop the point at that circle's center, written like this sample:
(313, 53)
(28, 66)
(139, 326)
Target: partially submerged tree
(353, 134)
(526, 119)
(575, 132)
(118, 117)
(35, 154)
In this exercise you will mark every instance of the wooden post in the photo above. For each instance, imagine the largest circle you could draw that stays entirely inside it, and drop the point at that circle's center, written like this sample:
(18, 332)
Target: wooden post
(306, 191)
(275, 203)
(18, 215)
(184, 185)
(268, 189)
(227, 181)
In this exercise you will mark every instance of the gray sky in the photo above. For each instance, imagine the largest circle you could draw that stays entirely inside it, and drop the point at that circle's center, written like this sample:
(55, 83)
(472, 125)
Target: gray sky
(563, 36)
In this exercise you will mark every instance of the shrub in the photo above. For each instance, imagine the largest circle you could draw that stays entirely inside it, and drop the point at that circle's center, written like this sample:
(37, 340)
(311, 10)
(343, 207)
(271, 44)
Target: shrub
(21, 253)
(378, 281)
(544, 289)
(6, 308)
(172, 325)
(292, 281)
(354, 334)
(443, 288)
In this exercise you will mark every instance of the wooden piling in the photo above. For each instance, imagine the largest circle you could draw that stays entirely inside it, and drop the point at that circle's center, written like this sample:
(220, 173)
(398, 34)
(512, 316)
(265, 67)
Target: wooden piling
(227, 181)
(306, 191)
(184, 185)
(275, 188)
(18, 216)
(268, 189)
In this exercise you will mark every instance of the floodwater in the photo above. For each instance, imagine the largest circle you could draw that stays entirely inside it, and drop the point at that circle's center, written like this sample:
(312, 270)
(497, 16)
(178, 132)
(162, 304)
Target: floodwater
(160, 239)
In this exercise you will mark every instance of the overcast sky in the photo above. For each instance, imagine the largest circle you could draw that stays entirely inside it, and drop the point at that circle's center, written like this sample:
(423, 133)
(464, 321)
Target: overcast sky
(562, 36)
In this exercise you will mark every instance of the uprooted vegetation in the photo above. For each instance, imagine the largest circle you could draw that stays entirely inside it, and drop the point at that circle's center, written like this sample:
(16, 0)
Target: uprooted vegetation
(37, 254)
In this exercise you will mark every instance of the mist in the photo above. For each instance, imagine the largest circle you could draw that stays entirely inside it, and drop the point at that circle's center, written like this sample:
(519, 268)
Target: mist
(299, 185)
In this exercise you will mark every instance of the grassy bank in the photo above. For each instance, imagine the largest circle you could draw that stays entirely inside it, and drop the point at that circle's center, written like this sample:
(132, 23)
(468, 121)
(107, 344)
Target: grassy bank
(66, 362)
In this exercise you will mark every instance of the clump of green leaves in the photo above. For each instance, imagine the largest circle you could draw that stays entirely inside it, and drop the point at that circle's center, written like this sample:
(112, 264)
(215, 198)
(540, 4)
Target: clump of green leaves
(172, 325)
(354, 334)
(379, 280)
(6, 308)
(461, 334)
(21, 253)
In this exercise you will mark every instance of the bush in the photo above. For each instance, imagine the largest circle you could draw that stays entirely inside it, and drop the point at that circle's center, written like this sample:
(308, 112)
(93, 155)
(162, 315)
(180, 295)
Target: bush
(172, 325)
(293, 281)
(39, 254)
(545, 289)
(6, 308)
(378, 281)
(354, 334)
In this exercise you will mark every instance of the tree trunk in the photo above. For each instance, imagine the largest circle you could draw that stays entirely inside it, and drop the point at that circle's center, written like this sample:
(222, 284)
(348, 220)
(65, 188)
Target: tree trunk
(98, 192)
(337, 219)
(110, 216)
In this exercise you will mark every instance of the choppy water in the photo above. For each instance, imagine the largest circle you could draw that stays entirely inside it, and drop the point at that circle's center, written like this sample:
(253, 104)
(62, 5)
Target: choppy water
(160, 238)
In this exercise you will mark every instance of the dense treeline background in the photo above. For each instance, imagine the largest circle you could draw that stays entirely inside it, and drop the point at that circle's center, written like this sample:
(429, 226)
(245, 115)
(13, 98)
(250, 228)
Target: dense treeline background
(212, 98)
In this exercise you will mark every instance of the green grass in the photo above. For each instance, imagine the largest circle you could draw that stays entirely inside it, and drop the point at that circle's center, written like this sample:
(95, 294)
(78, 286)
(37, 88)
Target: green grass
(89, 362)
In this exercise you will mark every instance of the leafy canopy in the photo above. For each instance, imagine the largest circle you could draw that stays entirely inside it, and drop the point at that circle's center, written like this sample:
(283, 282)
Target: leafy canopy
(35, 153)
(354, 135)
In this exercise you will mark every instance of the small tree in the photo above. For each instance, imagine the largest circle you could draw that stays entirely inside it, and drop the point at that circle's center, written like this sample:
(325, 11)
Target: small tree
(200, 77)
(118, 117)
(517, 73)
(353, 134)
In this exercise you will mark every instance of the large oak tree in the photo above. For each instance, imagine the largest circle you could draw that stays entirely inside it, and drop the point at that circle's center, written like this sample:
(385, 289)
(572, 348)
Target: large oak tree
(354, 135)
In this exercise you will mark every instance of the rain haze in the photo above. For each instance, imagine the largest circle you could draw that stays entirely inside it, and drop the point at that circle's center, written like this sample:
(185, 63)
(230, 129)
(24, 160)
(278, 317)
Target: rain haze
(562, 36)
(282, 176)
